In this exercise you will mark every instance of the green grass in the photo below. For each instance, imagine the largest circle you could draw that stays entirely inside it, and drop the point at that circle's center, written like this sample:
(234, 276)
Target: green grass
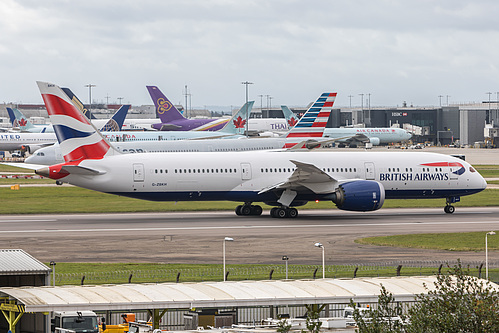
(488, 171)
(78, 200)
(12, 181)
(97, 273)
(461, 241)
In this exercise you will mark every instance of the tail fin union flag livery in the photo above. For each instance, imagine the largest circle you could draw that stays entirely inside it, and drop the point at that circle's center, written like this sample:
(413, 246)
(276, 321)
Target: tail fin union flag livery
(354, 181)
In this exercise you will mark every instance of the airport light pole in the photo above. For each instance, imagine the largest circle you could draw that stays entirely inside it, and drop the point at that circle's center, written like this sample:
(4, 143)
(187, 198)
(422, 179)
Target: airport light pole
(323, 259)
(286, 258)
(226, 239)
(52, 264)
(487, 254)
(247, 83)
(90, 86)
(440, 99)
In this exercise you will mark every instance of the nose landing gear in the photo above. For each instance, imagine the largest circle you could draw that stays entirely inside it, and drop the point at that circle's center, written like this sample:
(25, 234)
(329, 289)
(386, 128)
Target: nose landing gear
(449, 209)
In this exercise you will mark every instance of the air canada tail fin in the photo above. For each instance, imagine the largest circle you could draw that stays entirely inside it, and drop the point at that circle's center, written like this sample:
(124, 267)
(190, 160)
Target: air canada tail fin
(117, 120)
(19, 120)
(76, 101)
(165, 110)
(237, 124)
(290, 116)
(78, 138)
(313, 122)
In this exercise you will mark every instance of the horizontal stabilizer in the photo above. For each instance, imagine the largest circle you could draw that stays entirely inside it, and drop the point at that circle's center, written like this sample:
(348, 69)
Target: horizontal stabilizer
(81, 170)
(25, 165)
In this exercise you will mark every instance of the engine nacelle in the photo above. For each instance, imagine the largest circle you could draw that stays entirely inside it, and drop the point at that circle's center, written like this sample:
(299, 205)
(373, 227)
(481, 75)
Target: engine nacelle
(374, 141)
(31, 148)
(359, 195)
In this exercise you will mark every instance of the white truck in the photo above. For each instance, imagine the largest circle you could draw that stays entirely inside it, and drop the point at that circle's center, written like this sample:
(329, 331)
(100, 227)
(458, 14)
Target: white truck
(74, 321)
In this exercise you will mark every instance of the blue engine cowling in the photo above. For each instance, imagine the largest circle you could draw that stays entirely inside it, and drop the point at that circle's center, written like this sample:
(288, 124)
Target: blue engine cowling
(359, 195)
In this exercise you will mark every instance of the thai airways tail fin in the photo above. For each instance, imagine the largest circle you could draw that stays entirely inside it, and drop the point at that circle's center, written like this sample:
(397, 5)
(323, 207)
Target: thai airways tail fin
(313, 122)
(237, 124)
(76, 101)
(20, 121)
(290, 116)
(165, 110)
(117, 120)
(78, 138)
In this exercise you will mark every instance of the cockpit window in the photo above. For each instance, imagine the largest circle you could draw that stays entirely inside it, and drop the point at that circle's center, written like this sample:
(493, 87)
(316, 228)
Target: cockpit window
(472, 169)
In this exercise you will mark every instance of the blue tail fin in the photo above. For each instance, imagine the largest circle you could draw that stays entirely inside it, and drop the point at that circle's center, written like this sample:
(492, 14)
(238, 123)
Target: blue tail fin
(165, 110)
(12, 117)
(117, 120)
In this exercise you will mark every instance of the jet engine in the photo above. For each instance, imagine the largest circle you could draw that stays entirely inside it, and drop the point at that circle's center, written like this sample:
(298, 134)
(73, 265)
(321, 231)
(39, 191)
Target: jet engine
(374, 141)
(359, 195)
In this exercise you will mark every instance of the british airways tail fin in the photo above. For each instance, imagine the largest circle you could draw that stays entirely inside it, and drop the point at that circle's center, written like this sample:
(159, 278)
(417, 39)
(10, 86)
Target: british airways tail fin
(313, 122)
(237, 124)
(78, 138)
(117, 120)
(76, 101)
(20, 120)
(165, 110)
(290, 116)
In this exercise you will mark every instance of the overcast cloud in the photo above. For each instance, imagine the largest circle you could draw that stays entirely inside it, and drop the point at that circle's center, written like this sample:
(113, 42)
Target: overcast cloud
(292, 50)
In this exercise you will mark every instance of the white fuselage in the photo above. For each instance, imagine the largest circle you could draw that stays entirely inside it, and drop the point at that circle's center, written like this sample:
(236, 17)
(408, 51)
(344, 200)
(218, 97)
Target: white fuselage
(385, 135)
(243, 176)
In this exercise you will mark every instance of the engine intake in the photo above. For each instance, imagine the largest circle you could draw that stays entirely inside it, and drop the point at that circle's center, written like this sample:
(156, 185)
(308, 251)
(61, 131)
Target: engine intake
(359, 195)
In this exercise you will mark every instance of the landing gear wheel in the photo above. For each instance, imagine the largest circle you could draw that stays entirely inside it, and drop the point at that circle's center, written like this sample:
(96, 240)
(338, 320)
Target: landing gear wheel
(281, 213)
(449, 209)
(246, 210)
(292, 212)
(238, 210)
(256, 210)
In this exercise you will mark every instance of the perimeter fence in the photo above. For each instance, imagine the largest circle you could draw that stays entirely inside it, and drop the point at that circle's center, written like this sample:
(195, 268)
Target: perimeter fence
(271, 272)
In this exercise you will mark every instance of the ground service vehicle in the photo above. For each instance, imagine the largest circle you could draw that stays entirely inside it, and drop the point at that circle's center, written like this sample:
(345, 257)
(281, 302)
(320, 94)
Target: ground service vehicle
(79, 322)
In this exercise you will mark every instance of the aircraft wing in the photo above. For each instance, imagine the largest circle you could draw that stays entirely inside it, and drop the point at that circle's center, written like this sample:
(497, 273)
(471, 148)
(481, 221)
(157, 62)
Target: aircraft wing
(306, 177)
(313, 143)
(170, 127)
(25, 165)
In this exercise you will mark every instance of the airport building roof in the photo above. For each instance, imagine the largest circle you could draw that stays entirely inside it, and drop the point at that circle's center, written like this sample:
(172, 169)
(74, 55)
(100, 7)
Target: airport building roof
(16, 262)
(214, 294)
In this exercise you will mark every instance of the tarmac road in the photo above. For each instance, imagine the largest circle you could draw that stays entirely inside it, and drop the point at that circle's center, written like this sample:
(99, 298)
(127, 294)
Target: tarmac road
(197, 237)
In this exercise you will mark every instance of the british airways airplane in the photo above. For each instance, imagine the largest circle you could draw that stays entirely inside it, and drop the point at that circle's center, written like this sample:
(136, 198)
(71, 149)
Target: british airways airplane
(354, 181)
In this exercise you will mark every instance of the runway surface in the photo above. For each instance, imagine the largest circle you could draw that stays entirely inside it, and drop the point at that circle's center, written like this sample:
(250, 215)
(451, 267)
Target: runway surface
(197, 237)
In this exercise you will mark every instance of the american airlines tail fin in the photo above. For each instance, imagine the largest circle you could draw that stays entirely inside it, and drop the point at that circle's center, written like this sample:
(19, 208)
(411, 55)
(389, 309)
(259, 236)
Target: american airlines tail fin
(76, 101)
(290, 116)
(237, 124)
(78, 138)
(313, 122)
(19, 120)
(165, 110)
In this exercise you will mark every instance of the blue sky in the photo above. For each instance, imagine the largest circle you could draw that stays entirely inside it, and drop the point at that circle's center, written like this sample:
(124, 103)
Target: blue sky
(292, 50)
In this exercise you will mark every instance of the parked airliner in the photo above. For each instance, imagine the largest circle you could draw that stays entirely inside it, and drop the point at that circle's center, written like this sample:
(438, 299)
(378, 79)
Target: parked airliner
(354, 181)
(52, 154)
(34, 141)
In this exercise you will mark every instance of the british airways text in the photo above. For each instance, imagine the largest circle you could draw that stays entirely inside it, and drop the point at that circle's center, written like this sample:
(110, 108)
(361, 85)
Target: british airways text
(405, 176)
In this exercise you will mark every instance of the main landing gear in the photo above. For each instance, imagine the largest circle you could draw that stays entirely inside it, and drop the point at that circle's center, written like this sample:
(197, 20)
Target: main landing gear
(282, 212)
(248, 209)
